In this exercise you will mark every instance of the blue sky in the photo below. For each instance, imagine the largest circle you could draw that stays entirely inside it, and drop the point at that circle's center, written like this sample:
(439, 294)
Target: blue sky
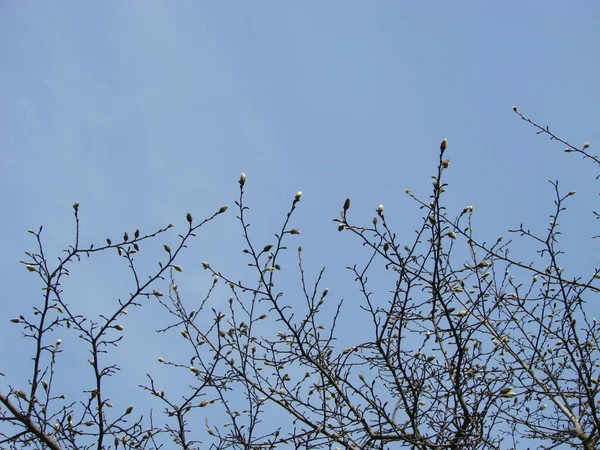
(142, 111)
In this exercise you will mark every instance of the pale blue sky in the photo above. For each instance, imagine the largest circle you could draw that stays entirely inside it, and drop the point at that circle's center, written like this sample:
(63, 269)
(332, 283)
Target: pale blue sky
(144, 110)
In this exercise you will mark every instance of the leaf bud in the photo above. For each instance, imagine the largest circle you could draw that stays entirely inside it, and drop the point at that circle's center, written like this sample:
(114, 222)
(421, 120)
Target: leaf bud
(189, 217)
(167, 248)
(129, 410)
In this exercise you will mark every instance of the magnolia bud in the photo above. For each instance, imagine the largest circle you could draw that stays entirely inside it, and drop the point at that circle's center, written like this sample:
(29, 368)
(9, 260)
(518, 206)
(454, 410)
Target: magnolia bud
(444, 144)
(76, 206)
(242, 179)
(222, 209)
(189, 217)
(379, 209)
(297, 196)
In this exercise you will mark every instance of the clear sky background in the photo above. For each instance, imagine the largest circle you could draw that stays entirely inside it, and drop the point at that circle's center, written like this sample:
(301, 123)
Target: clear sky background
(144, 110)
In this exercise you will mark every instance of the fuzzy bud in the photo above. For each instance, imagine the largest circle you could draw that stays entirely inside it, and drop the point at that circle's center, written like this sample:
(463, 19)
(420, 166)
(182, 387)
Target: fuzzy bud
(379, 209)
(444, 144)
(222, 209)
(189, 217)
(297, 196)
(119, 327)
(76, 206)
(586, 145)
(347, 204)
(129, 410)
(515, 109)
(242, 179)
(177, 268)
(167, 248)
(205, 265)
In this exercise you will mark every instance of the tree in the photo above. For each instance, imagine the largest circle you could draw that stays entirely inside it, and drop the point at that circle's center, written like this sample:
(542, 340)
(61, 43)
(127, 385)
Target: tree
(466, 347)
